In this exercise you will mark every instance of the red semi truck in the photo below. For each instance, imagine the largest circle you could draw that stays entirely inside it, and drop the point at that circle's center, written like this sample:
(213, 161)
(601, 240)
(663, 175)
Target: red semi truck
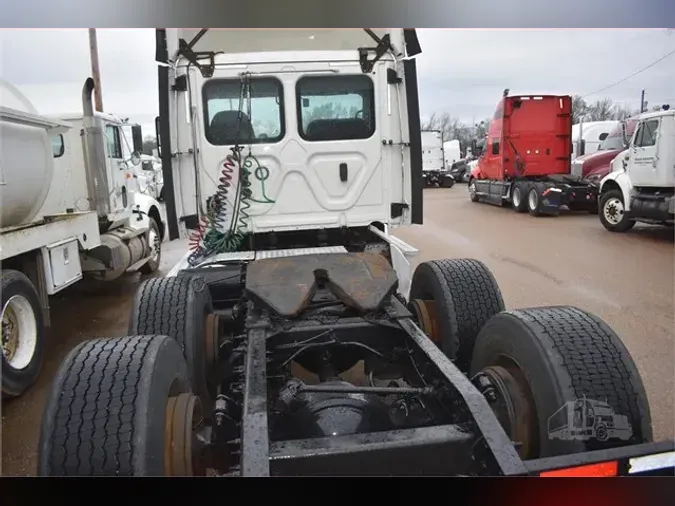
(527, 155)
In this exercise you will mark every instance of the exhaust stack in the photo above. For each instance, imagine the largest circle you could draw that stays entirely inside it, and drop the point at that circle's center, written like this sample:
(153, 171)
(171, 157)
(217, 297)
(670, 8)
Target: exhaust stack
(94, 154)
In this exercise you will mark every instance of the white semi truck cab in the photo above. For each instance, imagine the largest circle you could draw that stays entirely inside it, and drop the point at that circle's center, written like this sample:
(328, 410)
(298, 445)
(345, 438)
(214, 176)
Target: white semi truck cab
(641, 185)
(292, 154)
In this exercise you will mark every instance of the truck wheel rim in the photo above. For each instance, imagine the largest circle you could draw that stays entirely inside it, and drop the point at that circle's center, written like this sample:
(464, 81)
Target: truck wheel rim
(613, 211)
(516, 197)
(426, 316)
(181, 447)
(472, 189)
(153, 239)
(532, 199)
(513, 404)
(19, 332)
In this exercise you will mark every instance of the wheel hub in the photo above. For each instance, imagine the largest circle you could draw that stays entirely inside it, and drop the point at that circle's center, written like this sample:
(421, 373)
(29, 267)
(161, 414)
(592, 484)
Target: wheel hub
(472, 190)
(516, 197)
(426, 315)
(510, 399)
(10, 334)
(181, 445)
(19, 332)
(532, 199)
(155, 244)
(613, 211)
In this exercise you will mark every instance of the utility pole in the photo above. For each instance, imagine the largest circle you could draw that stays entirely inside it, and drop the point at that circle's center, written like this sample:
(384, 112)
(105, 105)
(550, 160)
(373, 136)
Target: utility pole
(642, 102)
(95, 73)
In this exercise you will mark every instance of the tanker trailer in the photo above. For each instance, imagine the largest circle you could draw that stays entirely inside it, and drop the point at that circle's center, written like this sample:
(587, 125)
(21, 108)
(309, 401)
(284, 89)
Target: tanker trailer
(39, 252)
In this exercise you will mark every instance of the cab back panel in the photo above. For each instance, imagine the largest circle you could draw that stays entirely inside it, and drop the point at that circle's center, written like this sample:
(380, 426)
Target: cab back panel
(537, 132)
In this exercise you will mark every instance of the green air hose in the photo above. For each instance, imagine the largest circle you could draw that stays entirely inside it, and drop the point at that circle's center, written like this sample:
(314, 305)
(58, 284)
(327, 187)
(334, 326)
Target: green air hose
(211, 238)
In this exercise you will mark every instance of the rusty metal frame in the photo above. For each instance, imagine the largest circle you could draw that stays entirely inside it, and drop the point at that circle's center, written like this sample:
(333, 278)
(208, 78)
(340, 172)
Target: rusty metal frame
(475, 445)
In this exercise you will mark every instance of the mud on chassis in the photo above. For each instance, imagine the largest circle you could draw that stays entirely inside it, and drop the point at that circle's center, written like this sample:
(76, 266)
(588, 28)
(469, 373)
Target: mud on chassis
(233, 368)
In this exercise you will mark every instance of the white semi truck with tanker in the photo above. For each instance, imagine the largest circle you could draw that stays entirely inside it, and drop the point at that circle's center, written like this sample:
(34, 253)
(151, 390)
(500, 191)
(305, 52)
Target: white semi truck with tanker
(233, 364)
(69, 209)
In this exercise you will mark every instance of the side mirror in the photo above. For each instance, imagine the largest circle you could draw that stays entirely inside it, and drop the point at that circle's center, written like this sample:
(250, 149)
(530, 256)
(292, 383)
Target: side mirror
(135, 158)
(137, 137)
(582, 148)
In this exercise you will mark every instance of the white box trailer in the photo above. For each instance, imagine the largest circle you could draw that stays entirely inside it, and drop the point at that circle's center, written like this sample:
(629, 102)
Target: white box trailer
(433, 162)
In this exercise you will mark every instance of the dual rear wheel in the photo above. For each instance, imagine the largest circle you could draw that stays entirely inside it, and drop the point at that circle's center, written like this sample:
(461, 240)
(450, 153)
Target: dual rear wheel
(135, 406)
(535, 366)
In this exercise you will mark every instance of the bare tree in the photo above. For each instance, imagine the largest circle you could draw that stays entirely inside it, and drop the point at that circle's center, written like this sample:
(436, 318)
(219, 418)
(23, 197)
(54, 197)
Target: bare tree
(579, 108)
(602, 110)
(622, 112)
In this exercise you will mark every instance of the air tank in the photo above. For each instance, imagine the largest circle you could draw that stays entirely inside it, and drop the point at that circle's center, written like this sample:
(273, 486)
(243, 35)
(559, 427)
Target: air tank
(26, 157)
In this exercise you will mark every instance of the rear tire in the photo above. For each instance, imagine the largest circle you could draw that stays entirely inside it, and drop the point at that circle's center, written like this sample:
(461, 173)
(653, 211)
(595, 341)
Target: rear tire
(23, 333)
(107, 411)
(465, 294)
(612, 214)
(557, 355)
(472, 190)
(448, 182)
(177, 307)
(533, 201)
(518, 198)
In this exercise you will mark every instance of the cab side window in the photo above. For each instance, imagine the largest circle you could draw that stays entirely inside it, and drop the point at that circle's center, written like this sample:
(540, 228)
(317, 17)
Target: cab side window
(495, 146)
(58, 146)
(112, 134)
(646, 134)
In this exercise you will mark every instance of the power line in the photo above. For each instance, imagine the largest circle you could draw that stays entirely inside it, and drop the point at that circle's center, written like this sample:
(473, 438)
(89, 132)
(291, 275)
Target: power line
(632, 75)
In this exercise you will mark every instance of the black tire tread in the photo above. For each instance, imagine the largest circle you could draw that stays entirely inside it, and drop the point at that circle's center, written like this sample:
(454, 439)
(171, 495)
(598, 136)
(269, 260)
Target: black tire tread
(161, 308)
(599, 365)
(165, 306)
(94, 408)
(473, 296)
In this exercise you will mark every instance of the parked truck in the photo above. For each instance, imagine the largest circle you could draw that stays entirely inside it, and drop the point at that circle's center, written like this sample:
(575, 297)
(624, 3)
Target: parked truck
(68, 203)
(641, 186)
(588, 136)
(234, 363)
(596, 165)
(526, 161)
(433, 160)
(149, 177)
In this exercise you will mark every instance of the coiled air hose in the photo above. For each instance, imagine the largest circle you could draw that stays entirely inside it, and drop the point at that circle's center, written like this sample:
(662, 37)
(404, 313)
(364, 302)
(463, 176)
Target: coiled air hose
(210, 237)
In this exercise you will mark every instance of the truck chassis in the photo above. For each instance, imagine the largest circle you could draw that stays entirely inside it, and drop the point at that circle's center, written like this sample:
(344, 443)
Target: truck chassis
(441, 178)
(308, 361)
(540, 196)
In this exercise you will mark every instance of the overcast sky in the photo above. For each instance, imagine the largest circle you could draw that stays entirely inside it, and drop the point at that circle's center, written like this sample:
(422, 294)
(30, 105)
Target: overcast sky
(460, 71)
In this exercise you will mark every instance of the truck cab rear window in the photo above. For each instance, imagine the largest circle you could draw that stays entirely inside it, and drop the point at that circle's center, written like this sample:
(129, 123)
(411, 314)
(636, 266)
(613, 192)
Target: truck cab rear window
(263, 124)
(338, 107)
